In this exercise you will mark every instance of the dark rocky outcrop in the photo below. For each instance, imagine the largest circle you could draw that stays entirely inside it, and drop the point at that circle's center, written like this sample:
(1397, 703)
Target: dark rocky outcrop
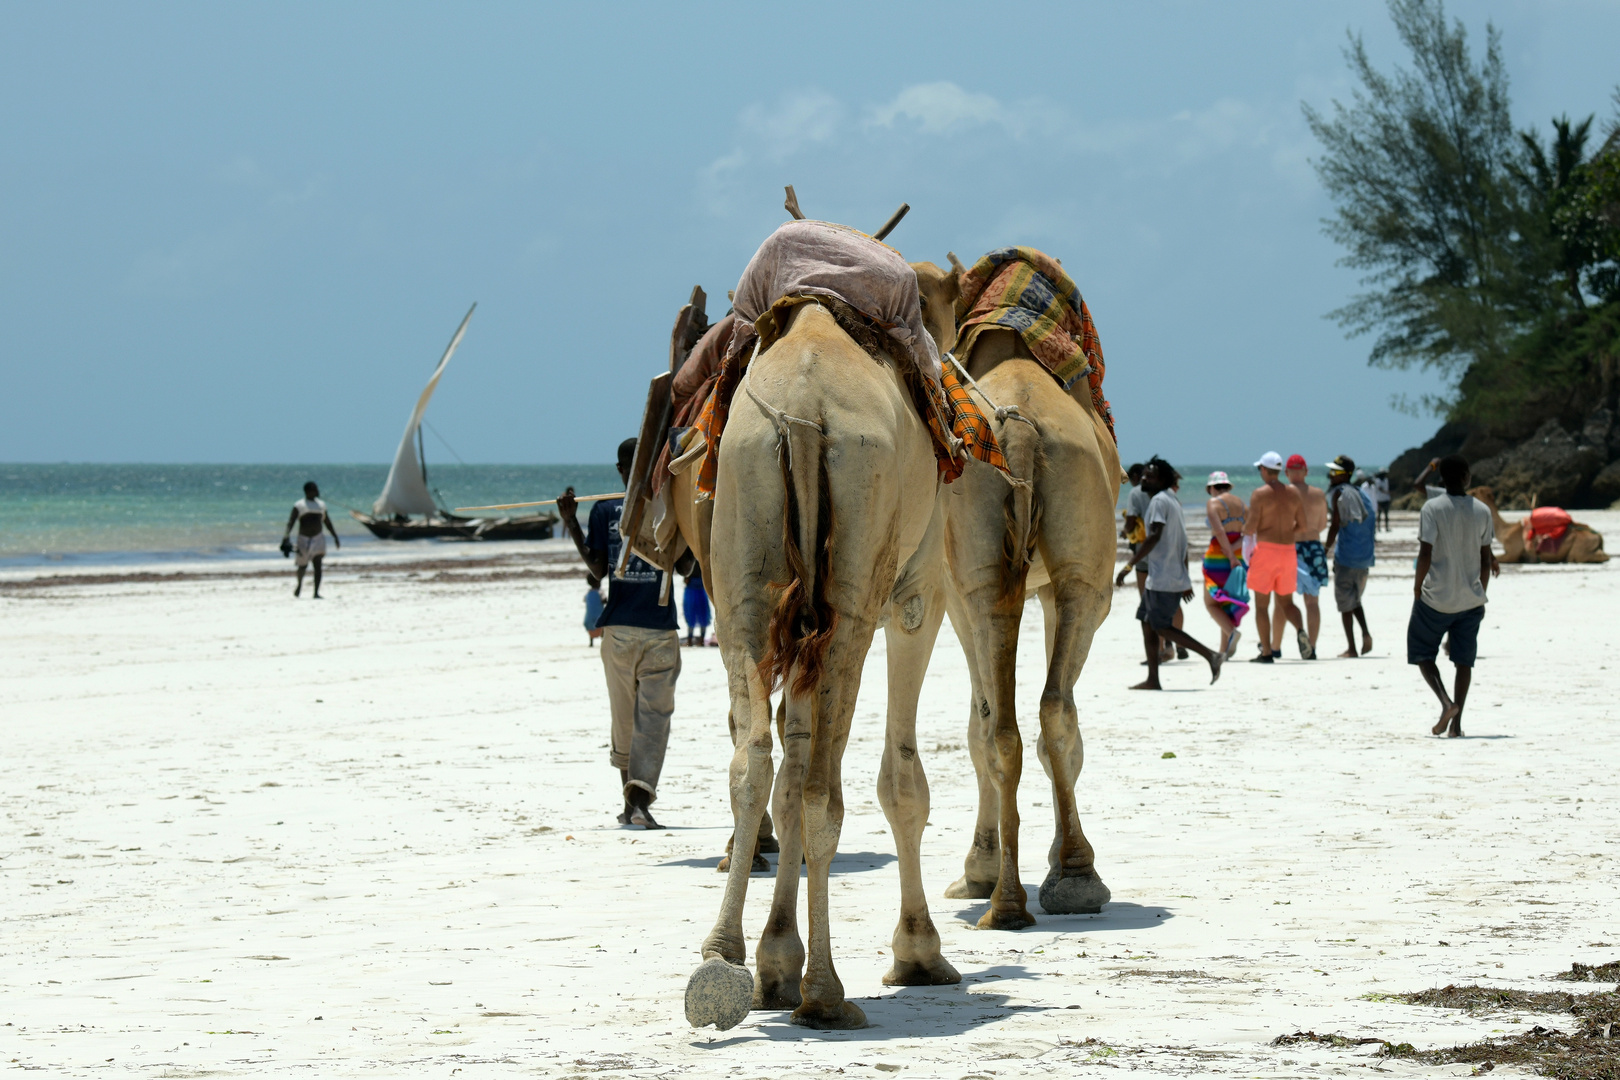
(1573, 465)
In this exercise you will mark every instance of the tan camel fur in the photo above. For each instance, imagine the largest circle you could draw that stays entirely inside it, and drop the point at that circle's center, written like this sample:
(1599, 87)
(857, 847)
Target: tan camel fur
(825, 527)
(1580, 544)
(1054, 539)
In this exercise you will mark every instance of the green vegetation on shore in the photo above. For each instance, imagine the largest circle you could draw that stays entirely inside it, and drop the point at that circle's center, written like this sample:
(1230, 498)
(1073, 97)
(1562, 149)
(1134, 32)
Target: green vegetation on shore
(1490, 255)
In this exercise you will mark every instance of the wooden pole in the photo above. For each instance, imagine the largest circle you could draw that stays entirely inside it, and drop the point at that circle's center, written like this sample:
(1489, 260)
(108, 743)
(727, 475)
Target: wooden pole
(792, 204)
(542, 502)
(888, 226)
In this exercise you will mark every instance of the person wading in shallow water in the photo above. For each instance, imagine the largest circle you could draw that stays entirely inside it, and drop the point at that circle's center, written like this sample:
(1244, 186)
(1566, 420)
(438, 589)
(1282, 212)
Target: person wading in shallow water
(641, 649)
(1168, 584)
(309, 514)
(1453, 569)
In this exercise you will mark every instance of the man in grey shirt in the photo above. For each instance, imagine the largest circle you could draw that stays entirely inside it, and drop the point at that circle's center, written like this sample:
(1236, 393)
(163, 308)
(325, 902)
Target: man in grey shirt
(1453, 569)
(1168, 584)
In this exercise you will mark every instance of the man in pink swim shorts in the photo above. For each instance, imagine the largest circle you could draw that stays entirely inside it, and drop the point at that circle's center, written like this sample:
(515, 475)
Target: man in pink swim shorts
(1276, 512)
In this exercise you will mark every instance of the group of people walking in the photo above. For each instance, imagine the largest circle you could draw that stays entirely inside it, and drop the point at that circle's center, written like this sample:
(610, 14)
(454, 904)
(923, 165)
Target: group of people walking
(1272, 546)
(1264, 552)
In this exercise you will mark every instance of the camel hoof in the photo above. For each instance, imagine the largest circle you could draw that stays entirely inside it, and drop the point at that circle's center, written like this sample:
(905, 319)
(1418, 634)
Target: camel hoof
(964, 888)
(725, 864)
(936, 972)
(761, 865)
(1017, 919)
(844, 1016)
(767, 845)
(718, 993)
(1082, 895)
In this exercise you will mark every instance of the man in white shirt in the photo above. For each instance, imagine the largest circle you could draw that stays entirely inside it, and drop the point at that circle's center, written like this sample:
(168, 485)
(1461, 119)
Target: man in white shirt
(1453, 569)
(1168, 583)
(309, 514)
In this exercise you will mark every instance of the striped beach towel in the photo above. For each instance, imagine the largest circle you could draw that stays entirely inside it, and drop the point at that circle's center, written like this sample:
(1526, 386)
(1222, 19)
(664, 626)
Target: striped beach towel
(1023, 289)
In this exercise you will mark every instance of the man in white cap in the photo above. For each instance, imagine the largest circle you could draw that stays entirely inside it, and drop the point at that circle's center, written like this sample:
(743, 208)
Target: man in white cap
(1276, 513)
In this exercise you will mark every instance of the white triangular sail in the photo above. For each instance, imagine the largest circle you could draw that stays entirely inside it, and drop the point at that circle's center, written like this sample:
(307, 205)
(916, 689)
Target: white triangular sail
(406, 491)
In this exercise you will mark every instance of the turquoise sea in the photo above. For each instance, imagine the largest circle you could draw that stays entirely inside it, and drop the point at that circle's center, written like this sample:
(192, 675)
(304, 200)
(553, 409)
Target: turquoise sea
(108, 512)
(122, 512)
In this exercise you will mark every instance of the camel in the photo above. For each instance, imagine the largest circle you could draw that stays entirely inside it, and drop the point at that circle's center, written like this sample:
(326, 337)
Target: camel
(1580, 543)
(1053, 539)
(826, 525)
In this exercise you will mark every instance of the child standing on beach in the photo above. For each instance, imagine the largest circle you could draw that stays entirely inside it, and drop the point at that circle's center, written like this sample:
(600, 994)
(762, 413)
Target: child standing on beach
(1453, 568)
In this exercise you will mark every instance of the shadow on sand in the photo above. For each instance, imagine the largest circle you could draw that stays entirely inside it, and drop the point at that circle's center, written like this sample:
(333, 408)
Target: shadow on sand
(1113, 916)
(908, 1012)
(845, 862)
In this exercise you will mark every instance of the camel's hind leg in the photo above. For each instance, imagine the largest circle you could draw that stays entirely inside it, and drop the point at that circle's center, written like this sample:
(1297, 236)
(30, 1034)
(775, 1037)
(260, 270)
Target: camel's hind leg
(720, 990)
(903, 786)
(1071, 609)
(780, 956)
(995, 639)
(982, 866)
(824, 1005)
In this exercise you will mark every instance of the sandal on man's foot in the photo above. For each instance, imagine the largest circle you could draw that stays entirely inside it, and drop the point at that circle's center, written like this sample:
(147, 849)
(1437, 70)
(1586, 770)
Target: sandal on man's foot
(1304, 643)
(1263, 658)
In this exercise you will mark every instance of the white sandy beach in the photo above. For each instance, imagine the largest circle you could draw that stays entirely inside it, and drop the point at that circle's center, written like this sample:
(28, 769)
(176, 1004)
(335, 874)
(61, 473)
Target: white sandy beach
(248, 835)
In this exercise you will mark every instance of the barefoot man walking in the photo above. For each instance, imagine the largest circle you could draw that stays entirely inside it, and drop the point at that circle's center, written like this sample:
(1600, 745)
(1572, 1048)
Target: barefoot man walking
(1312, 571)
(1453, 569)
(1168, 583)
(309, 514)
(1276, 514)
(1351, 535)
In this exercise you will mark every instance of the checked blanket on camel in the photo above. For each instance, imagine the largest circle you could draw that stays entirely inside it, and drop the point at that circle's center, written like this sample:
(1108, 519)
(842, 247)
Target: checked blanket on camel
(1022, 289)
(872, 293)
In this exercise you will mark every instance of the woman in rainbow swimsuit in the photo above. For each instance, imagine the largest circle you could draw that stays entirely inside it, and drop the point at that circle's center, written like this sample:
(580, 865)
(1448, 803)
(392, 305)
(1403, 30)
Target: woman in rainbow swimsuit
(1226, 514)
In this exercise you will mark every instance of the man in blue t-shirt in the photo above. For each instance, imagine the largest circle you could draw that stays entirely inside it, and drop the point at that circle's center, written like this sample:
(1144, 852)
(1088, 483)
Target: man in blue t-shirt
(641, 650)
(1353, 527)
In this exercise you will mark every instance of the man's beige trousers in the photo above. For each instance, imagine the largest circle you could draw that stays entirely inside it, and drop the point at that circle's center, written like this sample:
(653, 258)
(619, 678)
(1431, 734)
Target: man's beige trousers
(641, 667)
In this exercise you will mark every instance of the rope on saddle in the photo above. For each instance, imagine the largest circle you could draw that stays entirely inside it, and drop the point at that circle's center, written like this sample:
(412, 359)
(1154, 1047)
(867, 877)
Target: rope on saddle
(780, 419)
(1003, 412)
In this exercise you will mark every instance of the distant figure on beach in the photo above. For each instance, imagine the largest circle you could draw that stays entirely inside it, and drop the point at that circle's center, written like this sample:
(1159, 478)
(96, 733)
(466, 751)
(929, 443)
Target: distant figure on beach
(641, 650)
(1382, 497)
(1168, 584)
(695, 606)
(309, 514)
(1133, 531)
(1225, 512)
(1312, 568)
(1351, 538)
(593, 608)
(1276, 513)
(1453, 569)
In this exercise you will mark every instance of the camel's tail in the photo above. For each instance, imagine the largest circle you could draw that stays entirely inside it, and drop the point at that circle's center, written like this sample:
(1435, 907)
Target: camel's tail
(802, 623)
(1021, 444)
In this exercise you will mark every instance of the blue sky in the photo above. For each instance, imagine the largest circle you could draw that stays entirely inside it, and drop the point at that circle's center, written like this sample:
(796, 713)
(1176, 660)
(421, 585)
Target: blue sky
(243, 233)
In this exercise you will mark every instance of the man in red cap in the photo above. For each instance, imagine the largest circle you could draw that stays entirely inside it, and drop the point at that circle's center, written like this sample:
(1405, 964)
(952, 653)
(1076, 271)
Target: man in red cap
(1312, 572)
(1276, 513)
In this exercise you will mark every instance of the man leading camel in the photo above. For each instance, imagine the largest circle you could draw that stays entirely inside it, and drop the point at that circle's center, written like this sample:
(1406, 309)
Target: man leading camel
(1312, 571)
(1276, 514)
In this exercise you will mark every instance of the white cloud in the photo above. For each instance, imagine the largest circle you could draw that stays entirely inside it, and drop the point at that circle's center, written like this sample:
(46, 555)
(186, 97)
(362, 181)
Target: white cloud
(796, 122)
(939, 106)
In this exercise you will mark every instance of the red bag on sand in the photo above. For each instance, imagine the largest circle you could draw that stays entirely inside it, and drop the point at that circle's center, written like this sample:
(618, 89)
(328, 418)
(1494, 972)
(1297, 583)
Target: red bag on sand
(1545, 527)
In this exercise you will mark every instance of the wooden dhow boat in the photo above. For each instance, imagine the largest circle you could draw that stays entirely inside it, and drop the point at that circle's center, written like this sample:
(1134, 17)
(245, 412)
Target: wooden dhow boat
(407, 509)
